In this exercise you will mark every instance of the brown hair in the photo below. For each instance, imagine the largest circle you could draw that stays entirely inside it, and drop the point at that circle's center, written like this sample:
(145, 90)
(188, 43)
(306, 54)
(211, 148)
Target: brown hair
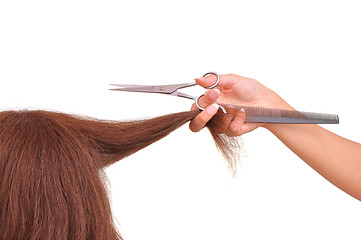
(51, 169)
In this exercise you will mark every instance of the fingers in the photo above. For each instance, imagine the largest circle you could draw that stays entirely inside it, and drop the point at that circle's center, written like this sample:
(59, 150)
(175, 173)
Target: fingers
(209, 98)
(236, 127)
(229, 85)
(233, 126)
(201, 119)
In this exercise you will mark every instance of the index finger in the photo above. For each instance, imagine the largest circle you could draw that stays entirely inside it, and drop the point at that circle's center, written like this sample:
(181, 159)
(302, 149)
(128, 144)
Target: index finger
(202, 118)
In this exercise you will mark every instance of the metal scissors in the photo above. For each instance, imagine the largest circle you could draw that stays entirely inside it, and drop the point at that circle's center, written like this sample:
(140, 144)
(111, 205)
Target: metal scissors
(253, 114)
(171, 89)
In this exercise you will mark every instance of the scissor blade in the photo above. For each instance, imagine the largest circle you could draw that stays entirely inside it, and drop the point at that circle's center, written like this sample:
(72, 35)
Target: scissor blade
(133, 89)
(140, 88)
(167, 89)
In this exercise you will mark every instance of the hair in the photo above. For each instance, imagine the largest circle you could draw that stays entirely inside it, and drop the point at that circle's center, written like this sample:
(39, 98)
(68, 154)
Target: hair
(52, 183)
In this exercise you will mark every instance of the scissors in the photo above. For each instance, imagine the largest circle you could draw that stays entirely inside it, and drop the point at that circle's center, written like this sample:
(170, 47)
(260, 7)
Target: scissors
(171, 89)
(253, 114)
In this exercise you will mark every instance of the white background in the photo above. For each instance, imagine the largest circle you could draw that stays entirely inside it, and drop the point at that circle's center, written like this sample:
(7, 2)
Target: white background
(61, 55)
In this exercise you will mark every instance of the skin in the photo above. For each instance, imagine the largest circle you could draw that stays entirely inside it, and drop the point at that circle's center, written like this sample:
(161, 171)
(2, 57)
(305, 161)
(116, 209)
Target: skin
(337, 159)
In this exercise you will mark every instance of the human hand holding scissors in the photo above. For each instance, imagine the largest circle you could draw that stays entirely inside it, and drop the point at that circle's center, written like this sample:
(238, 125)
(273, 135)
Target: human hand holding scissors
(234, 89)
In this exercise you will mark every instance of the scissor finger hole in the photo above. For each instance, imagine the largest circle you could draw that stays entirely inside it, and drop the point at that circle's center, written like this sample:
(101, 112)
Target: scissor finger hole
(217, 82)
(197, 102)
(201, 108)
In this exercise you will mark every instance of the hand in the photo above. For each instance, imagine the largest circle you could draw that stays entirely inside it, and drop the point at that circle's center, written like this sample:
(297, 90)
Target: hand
(234, 89)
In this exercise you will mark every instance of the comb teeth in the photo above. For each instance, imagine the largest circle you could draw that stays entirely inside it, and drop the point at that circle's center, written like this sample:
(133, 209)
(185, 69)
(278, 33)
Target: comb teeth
(270, 115)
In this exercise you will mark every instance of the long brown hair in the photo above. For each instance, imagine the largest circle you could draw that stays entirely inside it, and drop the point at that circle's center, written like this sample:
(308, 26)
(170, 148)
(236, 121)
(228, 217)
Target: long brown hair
(51, 169)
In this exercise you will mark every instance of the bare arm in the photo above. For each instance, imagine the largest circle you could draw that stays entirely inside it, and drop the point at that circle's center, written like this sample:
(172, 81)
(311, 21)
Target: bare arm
(337, 159)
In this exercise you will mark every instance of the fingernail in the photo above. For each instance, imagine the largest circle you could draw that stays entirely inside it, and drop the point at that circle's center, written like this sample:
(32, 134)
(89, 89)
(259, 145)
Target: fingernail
(200, 78)
(212, 109)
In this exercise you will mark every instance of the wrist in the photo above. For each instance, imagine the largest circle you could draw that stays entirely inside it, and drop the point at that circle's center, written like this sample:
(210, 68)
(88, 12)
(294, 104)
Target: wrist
(273, 100)
(276, 102)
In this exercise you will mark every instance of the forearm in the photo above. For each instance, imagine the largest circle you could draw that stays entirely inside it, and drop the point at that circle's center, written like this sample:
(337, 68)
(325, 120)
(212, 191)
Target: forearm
(335, 158)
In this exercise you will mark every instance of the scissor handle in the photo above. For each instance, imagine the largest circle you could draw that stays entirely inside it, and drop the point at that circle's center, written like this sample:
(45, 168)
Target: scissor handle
(217, 82)
(213, 86)
(200, 108)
